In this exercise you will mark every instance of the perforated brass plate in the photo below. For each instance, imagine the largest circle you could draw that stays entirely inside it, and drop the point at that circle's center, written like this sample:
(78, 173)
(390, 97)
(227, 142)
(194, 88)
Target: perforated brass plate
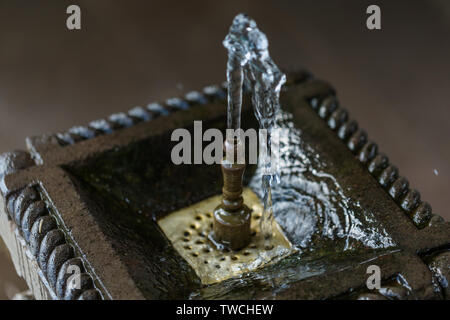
(189, 231)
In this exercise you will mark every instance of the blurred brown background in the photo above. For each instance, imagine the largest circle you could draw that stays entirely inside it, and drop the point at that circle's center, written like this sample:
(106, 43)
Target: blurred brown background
(395, 81)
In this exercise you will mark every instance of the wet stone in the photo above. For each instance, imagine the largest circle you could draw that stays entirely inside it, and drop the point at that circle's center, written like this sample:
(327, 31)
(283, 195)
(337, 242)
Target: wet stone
(439, 266)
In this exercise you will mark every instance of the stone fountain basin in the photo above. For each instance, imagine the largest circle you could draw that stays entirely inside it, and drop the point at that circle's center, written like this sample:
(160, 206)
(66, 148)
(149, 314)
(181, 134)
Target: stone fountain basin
(106, 193)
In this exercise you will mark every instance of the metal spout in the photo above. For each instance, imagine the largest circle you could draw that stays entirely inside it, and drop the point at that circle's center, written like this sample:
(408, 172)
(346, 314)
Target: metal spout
(231, 224)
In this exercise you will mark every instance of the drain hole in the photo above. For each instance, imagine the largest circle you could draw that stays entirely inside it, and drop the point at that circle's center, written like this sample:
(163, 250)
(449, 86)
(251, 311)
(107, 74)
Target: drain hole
(209, 215)
(206, 250)
(205, 262)
(193, 226)
(201, 234)
(186, 233)
(186, 240)
(234, 258)
(257, 217)
(188, 247)
(268, 247)
(217, 266)
(222, 259)
(195, 254)
(198, 218)
(246, 253)
(253, 233)
(199, 242)
(211, 225)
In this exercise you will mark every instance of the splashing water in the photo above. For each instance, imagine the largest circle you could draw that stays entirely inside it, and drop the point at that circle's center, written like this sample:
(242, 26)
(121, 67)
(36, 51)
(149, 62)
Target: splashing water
(310, 202)
(249, 63)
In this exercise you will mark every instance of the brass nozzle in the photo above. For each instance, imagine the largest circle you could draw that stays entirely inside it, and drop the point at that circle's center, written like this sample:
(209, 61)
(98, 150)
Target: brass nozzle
(232, 217)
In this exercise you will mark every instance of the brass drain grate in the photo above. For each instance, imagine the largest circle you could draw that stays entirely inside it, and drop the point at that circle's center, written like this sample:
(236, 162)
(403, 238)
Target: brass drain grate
(189, 228)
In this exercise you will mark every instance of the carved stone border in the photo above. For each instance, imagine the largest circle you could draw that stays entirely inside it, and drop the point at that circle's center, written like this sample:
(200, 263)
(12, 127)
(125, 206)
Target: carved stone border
(26, 208)
(323, 100)
(139, 114)
(346, 129)
(45, 240)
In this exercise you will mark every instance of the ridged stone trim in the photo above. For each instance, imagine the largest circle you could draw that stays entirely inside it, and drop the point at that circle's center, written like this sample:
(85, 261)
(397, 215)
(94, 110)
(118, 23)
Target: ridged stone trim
(140, 114)
(322, 98)
(154, 110)
(47, 243)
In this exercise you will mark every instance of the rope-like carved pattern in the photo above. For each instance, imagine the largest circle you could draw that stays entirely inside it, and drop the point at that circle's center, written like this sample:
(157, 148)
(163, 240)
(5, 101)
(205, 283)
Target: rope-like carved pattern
(154, 110)
(140, 114)
(49, 246)
(325, 103)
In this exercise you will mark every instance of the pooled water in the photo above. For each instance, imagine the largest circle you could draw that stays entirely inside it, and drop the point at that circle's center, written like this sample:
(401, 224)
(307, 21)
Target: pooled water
(249, 63)
(310, 202)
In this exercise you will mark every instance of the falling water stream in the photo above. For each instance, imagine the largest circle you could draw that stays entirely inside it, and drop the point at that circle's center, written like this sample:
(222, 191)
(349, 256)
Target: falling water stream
(249, 64)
